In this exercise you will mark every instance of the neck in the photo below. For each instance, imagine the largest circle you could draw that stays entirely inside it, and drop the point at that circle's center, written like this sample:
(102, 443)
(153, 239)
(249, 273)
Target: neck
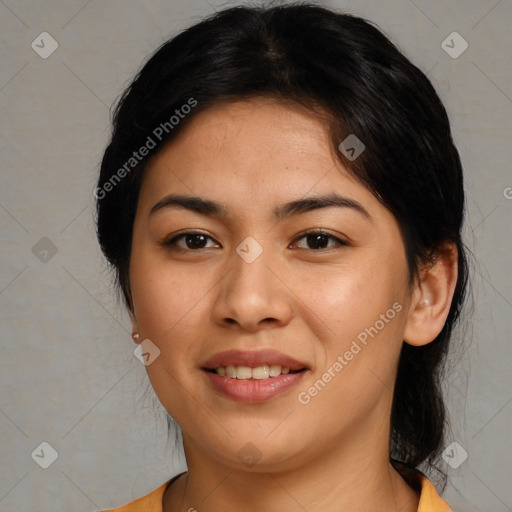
(355, 475)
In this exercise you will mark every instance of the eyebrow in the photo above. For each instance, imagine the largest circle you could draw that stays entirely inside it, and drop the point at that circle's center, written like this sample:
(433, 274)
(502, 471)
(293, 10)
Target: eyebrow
(281, 212)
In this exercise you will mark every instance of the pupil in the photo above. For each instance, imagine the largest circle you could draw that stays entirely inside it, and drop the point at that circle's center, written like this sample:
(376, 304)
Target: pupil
(191, 244)
(314, 239)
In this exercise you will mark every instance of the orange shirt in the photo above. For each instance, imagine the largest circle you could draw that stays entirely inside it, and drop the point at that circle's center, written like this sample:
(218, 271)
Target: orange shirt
(152, 502)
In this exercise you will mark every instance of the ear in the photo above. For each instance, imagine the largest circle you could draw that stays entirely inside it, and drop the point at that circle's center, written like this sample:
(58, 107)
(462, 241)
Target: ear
(432, 297)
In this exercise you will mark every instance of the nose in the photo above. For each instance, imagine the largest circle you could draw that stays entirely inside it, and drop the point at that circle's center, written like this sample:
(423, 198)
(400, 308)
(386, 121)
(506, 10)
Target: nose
(252, 296)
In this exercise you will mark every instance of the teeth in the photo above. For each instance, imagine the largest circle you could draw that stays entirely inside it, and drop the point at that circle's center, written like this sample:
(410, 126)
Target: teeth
(260, 372)
(245, 372)
(231, 372)
(275, 370)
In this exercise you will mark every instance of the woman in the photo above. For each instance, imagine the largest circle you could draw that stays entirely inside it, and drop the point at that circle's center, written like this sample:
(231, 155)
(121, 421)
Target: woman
(282, 203)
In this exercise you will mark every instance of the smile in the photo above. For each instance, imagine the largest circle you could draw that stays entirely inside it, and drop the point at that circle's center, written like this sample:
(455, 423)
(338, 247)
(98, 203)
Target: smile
(253, 376)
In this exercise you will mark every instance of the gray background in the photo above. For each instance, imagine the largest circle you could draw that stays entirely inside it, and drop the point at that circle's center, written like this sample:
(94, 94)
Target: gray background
(68, 375)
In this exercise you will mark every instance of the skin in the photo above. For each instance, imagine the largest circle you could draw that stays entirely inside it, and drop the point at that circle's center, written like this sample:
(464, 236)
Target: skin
(308, 302)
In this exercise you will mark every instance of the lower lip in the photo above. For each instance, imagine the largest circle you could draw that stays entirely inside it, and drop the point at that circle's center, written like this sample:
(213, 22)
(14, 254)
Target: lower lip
(254, 391)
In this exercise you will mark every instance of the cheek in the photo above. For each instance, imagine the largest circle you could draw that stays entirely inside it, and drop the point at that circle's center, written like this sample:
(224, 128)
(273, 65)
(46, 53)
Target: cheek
(351, 297)
(167, 302)
(366, 308)
(359, 352)
(166, 305)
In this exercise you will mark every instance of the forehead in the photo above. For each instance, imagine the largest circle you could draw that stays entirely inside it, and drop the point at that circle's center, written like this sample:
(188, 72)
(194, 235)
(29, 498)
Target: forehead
(249, 144)
(286, 116)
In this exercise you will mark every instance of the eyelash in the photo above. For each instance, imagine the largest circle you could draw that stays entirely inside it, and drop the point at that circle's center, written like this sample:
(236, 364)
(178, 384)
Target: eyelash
(171, 243)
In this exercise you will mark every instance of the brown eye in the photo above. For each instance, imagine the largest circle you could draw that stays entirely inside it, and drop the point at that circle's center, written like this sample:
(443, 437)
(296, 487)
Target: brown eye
(318, 240)
(191, 241)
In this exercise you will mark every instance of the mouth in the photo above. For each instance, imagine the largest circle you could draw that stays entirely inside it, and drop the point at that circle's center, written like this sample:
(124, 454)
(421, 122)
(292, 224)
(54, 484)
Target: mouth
(253, 377)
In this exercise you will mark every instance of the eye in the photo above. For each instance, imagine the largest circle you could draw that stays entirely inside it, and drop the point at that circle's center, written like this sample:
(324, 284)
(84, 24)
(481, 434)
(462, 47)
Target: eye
(192, 240)
(319, 239)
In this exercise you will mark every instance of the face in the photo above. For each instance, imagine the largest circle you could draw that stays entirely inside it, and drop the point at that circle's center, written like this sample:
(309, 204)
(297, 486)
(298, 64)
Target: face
(319, 289)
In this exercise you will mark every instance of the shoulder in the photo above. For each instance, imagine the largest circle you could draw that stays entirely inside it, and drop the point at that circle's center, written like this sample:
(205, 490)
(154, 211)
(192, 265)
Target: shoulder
(430, 501)
(151, 502)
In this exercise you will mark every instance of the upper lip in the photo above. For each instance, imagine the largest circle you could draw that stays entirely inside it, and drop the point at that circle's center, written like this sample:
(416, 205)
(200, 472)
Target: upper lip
(252, 359)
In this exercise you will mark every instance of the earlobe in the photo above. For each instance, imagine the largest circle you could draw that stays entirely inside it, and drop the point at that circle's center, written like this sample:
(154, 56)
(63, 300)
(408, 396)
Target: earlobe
(135, 333)
(432, 297)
